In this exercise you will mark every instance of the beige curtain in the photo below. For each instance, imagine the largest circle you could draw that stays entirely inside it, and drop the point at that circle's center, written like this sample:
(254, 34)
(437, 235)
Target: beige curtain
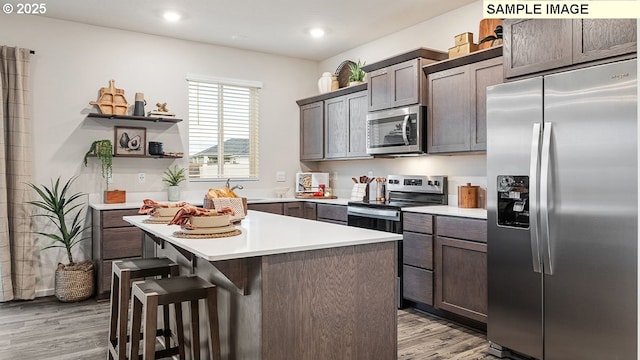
(17, 271)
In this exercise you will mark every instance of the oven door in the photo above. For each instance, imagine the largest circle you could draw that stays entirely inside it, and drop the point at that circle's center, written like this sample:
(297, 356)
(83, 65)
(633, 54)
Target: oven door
(396, 131)
(388, 220)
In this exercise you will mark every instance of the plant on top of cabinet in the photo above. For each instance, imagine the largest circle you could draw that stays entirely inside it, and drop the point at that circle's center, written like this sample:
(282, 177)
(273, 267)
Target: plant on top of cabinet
(174, 177)
(103, 150)
(357, 74)
(74, 281)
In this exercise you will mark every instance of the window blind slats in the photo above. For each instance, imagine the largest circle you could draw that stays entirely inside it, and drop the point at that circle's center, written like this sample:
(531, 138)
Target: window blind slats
(223, 130)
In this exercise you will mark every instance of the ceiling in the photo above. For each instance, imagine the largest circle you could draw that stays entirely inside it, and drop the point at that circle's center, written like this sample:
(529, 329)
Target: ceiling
(270, 26)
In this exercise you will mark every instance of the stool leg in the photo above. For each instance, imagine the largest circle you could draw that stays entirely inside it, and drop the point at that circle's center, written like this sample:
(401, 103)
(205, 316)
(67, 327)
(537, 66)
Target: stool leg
(165, 323)
(136, 319)
(214, 330)
(123, 313)
(195, 329)
(150, 327)
(115, 296)
(180, 329)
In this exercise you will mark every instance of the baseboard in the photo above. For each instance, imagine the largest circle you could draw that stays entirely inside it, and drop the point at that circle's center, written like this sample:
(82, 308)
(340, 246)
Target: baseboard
(45, 292)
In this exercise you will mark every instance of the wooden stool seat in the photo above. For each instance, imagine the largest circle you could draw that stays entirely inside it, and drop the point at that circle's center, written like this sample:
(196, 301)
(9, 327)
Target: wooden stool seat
(122, 273)
(149, 294)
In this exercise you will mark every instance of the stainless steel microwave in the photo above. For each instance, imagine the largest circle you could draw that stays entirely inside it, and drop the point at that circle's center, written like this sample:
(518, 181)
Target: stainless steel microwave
(397, 131)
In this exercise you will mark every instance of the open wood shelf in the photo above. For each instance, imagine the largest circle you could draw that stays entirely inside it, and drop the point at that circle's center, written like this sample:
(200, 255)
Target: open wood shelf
(137, 118)
(145, 156)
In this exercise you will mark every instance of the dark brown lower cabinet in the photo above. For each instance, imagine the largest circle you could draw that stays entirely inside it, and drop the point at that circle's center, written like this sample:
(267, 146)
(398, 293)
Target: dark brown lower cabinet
(461, 277)
(417, 284)
(274, 208)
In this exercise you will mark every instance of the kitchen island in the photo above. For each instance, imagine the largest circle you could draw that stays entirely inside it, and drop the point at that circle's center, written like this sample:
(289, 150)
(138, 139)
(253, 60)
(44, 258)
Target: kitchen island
(291, 288)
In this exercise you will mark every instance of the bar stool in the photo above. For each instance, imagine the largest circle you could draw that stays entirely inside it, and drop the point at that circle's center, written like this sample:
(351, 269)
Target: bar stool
(122, 272)
(149, 294)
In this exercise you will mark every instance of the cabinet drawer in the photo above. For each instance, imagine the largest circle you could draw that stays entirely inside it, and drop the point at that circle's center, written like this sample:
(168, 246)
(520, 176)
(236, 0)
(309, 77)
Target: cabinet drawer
(332, 212)
(462, 228)
(417, 250)
(414, 222)
(274, 208)
(113, 218)
(417, 284)
(121, 242)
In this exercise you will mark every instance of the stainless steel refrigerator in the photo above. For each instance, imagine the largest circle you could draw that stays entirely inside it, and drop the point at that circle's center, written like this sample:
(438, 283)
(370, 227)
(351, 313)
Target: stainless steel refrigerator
(562, 212)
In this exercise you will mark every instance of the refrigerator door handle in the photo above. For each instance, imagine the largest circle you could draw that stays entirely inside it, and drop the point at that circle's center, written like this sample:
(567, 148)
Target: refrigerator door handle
(544, 199)
(533, 198)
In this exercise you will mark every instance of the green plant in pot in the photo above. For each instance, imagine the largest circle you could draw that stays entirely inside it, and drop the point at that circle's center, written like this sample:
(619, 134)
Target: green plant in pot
(174, 176)
(73, 281)
(357, 74)
(103, 150)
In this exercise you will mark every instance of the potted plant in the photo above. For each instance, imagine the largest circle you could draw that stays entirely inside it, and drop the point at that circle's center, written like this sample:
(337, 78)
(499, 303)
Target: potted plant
(73, 281)
(174, 177)
(357, 74)
(103, 150)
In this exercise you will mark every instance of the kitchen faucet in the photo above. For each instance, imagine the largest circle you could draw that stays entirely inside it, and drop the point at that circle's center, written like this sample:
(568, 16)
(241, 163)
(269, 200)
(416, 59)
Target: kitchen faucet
(239, 187)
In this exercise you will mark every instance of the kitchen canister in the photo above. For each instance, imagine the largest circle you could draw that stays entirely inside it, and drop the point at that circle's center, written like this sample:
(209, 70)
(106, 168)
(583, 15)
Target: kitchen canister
(155, 148)
(324, 83)
(468, 196)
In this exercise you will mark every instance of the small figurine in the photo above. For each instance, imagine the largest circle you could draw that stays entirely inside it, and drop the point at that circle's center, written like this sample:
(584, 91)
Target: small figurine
(162, 107)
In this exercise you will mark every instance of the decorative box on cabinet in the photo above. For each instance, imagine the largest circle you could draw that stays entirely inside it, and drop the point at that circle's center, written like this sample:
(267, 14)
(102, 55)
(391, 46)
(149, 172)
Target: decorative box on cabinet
(457, 110)
(461, 267)
(113, 239)
(541, 45)
(417, 257)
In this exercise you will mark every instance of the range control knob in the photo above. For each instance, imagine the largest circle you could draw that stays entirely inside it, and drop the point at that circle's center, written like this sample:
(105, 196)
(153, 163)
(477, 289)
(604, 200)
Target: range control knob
(436, 182)
(429, 182)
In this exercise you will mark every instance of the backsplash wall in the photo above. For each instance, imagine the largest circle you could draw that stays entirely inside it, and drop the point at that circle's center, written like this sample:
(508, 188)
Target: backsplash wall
(460, 169)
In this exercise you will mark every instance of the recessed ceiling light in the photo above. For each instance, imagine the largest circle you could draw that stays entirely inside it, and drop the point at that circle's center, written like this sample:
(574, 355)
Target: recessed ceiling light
(171, 16)
(316, 32)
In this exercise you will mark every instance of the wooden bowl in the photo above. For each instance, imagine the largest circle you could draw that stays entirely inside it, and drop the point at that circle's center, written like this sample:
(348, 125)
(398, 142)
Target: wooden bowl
(209, 221)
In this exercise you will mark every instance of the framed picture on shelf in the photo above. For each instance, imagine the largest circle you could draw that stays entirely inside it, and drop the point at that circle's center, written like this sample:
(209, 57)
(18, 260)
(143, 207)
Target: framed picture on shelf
(130, 141)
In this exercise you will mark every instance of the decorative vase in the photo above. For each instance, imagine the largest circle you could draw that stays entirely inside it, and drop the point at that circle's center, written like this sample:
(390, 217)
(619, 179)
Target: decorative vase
(174, 193)
(324, 83)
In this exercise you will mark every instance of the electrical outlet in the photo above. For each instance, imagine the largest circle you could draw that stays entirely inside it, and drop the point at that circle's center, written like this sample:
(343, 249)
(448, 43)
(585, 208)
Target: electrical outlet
(280, 176)
(141, 178)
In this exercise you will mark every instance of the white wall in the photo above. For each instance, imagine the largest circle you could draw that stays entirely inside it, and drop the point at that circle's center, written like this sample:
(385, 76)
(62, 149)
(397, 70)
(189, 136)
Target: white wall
(73, 61)
(438, 34)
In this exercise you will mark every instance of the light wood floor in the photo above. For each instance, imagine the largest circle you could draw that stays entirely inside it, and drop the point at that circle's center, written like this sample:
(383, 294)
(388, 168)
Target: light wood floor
(47, 329)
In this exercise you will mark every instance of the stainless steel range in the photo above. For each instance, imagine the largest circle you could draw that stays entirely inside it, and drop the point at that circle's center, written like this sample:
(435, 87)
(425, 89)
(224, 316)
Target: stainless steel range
(403, 191)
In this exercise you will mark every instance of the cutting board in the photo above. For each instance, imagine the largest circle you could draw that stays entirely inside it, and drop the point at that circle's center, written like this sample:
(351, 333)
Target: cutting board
(112, 100)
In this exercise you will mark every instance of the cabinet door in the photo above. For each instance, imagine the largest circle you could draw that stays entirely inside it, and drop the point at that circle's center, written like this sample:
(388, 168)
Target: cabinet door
(461, 277)
(534, 45)
(309, 210)
(335, 122)
(378, 84)
(405, 85)
(482, 74)
(357, 109)
(294, 209)
(332, 213)
(449, 111)
(122, 242)
(595, 39)
(312, 131)
(274, 208)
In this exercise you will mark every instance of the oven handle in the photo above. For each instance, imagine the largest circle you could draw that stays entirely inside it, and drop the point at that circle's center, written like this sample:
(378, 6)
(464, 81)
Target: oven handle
(404, 130)
(384, 214)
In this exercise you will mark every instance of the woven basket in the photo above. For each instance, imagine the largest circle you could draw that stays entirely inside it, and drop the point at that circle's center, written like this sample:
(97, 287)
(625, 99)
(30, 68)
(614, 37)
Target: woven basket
(74, 283)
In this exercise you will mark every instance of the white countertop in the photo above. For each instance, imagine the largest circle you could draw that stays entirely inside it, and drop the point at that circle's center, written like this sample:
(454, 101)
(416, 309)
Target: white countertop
(448, 211)
(267, 234)
(138, 204)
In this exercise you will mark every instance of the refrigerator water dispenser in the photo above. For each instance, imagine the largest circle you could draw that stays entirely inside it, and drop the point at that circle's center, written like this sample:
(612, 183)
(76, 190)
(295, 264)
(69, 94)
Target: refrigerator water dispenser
(513, 201)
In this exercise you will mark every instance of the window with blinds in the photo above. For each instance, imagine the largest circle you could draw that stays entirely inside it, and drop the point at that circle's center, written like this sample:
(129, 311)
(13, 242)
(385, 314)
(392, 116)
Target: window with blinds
(223, 129)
